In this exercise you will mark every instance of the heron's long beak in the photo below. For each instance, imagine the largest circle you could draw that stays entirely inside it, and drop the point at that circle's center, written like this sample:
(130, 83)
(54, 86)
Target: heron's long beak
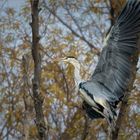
(60, 60)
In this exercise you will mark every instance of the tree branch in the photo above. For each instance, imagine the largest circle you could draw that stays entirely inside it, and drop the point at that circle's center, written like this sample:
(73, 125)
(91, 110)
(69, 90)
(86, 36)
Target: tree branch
(85, 130)
(72, 30)
(38, 99)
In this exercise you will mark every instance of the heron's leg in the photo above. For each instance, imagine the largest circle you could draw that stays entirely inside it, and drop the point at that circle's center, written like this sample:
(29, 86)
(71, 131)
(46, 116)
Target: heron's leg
(108, 111)
(111, 121)
(107, 117)
(107, 108)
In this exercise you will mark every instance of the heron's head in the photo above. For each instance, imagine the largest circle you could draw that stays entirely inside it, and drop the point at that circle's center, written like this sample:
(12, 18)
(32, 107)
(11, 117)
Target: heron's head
(70, 59)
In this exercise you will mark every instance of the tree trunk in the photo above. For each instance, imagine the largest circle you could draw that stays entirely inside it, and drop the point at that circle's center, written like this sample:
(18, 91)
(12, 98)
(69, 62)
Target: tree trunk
(26, 121)
(38, 99)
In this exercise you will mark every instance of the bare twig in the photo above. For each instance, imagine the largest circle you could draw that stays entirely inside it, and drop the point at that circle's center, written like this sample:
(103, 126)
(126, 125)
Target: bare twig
(71, 29)
(85, 130)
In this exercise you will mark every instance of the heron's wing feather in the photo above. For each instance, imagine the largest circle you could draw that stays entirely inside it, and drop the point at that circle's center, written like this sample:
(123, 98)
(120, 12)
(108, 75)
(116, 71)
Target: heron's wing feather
(91, 112)
(98, 92)
(117, 58)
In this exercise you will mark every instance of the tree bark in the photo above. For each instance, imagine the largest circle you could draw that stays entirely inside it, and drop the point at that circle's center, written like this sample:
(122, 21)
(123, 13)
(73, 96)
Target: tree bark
(85, 130)
(37, 98)
(25, 98)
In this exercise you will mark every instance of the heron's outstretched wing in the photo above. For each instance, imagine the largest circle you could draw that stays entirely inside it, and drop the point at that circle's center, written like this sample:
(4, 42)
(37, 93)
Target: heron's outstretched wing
(117, 58)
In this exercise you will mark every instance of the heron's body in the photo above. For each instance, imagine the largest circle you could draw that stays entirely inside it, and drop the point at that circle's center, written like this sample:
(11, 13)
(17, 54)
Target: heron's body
(113, 73)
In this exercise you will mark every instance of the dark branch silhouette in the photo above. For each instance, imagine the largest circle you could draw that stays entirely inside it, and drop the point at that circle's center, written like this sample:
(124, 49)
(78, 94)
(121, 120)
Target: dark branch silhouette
(38, 99)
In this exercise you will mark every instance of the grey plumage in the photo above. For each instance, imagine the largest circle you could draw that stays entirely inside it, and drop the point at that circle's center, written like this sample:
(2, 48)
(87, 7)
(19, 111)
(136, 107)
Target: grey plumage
(114, 69)
(91, 113)
(113, 73)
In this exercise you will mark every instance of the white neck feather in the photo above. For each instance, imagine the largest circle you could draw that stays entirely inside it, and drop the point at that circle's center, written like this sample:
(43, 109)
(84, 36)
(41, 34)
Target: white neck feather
(77, 76)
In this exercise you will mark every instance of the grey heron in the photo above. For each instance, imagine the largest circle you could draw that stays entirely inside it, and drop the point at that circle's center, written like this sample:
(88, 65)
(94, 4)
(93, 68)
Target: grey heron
(106, 87)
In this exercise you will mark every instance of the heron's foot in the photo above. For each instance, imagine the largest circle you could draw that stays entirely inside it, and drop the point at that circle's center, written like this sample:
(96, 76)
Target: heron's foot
(110, 119)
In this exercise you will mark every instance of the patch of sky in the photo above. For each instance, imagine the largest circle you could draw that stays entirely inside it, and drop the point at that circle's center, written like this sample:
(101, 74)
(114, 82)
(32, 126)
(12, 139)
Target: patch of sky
(16, 4)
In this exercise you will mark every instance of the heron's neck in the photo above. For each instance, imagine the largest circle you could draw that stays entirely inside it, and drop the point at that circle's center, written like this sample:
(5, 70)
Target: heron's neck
(77, 76)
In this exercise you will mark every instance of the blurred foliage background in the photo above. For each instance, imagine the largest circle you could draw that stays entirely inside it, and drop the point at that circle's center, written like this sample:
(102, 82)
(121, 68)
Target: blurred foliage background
(66, 27)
